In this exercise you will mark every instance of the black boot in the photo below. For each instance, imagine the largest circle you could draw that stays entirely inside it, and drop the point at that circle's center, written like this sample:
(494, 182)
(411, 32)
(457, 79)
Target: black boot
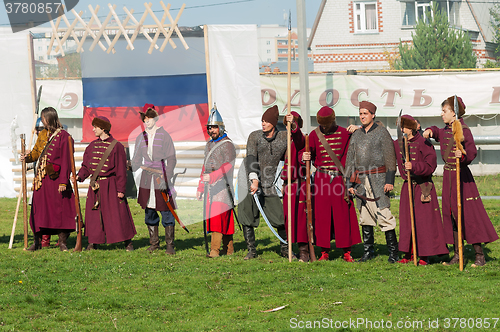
(368, 240)
(249, 234)
(456, 255)
(284, 246)
(37, 244)
(63, 241)
(169, 239)
(480, 261)
(392, 246)
(154, 238)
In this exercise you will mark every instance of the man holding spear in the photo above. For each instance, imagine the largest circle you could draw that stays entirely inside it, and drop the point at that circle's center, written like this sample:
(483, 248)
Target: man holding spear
(297, 219)
(460, 194)
(217, 176)
(334, 212)
(265, 149)
(419, 165)
(52, 208)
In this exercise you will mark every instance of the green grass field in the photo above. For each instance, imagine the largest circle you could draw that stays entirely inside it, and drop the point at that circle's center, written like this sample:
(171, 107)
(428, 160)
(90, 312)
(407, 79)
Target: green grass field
(114, 290)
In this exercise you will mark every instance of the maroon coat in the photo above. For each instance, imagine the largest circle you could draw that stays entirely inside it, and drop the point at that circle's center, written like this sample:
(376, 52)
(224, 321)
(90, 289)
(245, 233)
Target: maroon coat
(112, 221)
(163, 149)
(333, 216)
(298, 189)
(476, 224)
(429, 232)
(52, 211)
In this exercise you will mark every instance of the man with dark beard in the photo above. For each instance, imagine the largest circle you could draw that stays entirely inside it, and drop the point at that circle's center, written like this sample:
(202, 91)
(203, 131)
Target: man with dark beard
(217, 174)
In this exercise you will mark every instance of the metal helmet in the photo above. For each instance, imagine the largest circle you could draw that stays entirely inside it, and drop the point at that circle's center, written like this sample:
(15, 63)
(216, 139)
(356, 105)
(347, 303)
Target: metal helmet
(39, 124)
(215, 119)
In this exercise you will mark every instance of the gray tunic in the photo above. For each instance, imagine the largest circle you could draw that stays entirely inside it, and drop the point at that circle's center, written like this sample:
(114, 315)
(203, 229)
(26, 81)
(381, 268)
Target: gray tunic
(263, 157)
(370, 150)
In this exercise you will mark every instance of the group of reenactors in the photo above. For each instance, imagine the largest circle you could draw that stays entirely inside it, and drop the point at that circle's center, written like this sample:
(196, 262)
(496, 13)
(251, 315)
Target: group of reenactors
(353, 166)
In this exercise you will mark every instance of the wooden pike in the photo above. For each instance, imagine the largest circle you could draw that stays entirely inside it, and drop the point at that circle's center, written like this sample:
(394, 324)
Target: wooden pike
(310, 231)
(412, 209)
(289, 140)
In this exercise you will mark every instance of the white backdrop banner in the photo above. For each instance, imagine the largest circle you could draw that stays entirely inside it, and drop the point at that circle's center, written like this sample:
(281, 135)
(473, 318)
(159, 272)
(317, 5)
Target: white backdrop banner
(15, 104)
(416, 95)
(64, 95)
(234, 70)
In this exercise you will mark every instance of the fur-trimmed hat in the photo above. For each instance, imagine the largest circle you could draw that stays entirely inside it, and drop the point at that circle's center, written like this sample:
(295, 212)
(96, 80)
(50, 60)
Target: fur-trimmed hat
(148, 111)
(368, 106)
(271, 115)
(326, 117)
(297, 118)
(102, 122)
(461, 106)
(407, 121)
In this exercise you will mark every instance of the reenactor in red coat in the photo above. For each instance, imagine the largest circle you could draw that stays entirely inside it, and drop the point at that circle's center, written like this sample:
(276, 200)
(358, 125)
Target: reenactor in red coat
(429, 232)
(334, 212)
(476, 225)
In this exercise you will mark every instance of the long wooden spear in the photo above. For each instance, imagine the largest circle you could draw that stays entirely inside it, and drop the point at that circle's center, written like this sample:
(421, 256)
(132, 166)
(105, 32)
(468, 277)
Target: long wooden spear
(412, 210)
(458, 135)
(24, 191)
(310, 231)
(289, 139)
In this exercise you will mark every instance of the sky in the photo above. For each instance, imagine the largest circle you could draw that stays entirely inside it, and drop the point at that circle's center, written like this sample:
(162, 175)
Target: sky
(199, 12)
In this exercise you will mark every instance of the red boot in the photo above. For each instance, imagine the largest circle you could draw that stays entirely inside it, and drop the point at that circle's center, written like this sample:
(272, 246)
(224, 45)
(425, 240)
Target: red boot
(325, 253)
(407, 259)
(347, 255)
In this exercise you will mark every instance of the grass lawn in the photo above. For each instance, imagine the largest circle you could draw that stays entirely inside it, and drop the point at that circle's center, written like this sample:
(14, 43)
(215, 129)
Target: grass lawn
(114, 290)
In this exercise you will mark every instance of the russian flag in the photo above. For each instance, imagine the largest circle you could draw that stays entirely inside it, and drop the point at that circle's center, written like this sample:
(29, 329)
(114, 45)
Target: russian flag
(118, 85)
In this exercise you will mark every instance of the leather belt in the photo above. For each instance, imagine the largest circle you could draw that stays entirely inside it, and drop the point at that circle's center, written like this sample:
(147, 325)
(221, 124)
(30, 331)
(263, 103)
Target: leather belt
(331, 173)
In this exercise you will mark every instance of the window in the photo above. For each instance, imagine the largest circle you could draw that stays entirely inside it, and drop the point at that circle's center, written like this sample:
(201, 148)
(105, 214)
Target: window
(365, 16)
(268, 51)
(268, 42)
(415, 11)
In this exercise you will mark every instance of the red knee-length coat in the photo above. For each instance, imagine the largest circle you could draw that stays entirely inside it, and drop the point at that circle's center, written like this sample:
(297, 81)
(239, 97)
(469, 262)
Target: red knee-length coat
(298, 189)
(112, 221)
(333, 216)
(429, 232)
(476, 225)
(52, 211)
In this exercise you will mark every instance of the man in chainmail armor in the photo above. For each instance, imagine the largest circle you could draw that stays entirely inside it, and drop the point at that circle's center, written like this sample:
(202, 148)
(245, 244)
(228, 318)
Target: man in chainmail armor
(265, 149)
(371, 165)
(217, 173)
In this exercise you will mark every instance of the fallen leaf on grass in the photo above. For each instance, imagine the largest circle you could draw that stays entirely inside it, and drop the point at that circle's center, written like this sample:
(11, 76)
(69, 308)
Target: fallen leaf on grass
(276, 309)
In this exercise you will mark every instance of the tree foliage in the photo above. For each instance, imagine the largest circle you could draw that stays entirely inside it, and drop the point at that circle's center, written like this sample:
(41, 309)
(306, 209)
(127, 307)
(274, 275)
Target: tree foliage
(495, 25)
(436, 46)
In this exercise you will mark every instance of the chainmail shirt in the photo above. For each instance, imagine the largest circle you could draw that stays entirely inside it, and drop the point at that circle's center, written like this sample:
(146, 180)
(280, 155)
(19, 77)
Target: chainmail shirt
(368, 151)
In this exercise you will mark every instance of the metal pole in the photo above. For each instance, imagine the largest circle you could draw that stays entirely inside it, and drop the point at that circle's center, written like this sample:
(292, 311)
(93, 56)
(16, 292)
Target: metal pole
(303, 68)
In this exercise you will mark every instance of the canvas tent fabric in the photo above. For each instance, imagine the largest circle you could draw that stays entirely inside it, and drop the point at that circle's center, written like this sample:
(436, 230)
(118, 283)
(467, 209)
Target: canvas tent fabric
(15, 103)
(235, 81)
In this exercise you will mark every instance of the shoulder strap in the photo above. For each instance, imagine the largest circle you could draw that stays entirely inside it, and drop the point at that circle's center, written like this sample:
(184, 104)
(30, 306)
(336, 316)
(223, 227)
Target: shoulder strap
(329, 150)
(448, 149)
(213, 149)
(44, 151)
(101, 163)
